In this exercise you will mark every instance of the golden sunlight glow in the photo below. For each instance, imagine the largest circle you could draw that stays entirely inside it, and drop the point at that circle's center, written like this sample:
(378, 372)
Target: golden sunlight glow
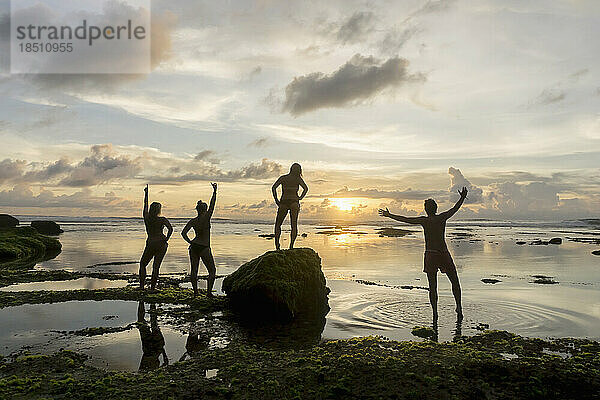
(343, 204)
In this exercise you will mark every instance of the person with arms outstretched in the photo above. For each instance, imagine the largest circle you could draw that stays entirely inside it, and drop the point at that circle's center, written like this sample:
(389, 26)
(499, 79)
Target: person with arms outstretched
(289, 201)
(156, 243)
(200, 245)
(437, 255)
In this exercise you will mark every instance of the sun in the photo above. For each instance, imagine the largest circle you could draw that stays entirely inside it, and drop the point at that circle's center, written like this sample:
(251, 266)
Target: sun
(343, 204)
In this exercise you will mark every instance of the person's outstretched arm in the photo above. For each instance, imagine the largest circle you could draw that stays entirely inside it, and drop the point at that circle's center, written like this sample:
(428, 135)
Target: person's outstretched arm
(304, 189)
(145, 211)
(274, 190)
(459, 203)
(185, 231)
(169, 228)
(213, 200)
(409, 220)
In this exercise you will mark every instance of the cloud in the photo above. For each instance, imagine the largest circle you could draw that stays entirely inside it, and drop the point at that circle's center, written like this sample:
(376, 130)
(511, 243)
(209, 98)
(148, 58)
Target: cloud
(359, 79)
(11, 169)
(102, 166)
(356, 27)
(259, 142)
(207, 155)
(550, 96)
(458, 181)
(23, 197)
(395, 39)
(262, 170)
(397, 195)
(523, 199)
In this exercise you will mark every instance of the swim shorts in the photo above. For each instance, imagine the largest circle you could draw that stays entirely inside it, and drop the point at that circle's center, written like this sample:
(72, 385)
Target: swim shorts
(438, 259)
(289, 205)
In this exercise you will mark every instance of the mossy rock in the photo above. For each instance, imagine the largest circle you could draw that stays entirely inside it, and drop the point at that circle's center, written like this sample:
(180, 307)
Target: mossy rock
(47, 227)
(26, 243)
(279, 285)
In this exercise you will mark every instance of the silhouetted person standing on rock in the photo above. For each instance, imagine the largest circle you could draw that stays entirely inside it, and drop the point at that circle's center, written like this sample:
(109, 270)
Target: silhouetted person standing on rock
(436, 250)
(289, 201)
(156, 243)
(200, 245)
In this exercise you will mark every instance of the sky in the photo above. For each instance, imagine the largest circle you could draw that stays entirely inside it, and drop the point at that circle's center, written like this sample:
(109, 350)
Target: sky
(383, 103)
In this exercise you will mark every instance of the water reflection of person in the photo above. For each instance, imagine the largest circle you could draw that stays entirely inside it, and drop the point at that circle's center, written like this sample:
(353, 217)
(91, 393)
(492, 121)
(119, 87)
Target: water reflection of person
(153, 341)
(289, 201)
(195, 344)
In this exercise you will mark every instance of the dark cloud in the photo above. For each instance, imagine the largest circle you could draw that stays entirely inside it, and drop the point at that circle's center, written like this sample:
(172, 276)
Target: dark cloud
(262, 170)
(11, 169)
(550, 96)
(356, 27)
(395, 39)
(260, 142)
(434, 6)
(361, 78)
(102, 166)
(207, 155)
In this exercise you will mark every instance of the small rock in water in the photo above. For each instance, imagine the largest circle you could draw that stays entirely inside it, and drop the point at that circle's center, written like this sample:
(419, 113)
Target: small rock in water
(424, 332)
(267, 235)
(109, 317)
(521, 243)
(539, 243)
(543, 280)
(482, 327)
(304, 235)
(555, 241)
(490, 280)
(596, 252)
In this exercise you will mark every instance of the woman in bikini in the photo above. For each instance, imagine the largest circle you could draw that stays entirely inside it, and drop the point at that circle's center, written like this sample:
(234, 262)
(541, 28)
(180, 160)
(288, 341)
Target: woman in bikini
(156, 243)
(200, 245)
(289, 202)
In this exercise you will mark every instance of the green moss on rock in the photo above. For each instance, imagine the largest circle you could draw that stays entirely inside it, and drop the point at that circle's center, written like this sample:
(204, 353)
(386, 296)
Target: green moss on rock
(279, 285)
(26, 243)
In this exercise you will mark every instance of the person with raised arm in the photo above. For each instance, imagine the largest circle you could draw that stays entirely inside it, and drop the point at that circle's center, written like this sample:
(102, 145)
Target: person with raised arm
(437, 255)
(289, 201)
(200, 245)
(156, 242)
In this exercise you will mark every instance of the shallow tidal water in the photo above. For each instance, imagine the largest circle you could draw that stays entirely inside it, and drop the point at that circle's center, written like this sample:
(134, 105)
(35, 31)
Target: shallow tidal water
(364, 271)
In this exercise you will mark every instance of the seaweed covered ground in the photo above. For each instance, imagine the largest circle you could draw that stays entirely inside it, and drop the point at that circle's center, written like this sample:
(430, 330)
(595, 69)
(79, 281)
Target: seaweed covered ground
(26, 243)
(170, 295)
(494, 365)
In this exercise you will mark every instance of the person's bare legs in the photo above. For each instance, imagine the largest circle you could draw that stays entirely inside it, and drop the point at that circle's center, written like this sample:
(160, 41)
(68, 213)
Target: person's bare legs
(144, 261)
(194, 263)
(158, 258)
(294, 211)
(209, 262)
(453, 277)
(281, 213)
(433, 294)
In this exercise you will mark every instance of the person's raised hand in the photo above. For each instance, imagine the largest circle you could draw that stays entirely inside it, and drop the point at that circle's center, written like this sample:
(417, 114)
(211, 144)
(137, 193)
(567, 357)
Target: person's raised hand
(214, 186)
(146, 188)
(384, 213)
(463, 192)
